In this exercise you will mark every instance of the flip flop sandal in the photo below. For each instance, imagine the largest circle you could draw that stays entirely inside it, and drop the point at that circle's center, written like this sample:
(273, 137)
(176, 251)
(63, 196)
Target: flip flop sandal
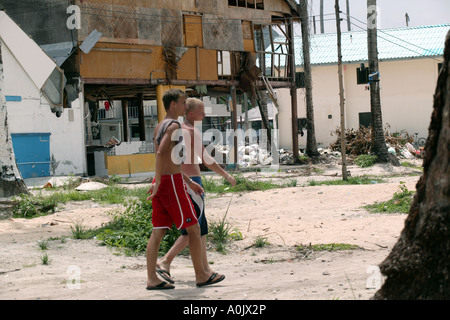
(211, 280)
(165, 275)
(162, 286)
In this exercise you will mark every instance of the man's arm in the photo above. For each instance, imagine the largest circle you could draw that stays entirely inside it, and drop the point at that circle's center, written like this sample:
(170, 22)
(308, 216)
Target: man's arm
(161, 150)
(211, 164)
(192, 184)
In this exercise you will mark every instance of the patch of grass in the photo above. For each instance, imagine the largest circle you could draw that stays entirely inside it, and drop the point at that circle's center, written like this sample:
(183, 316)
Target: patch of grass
(243, 184)
(45, 260)
(349, 181)
(327, 247)
(43, 245)
(219, 234)
(260, 242)
(365, 160)
(212, 185)
(80, 232)
(410, 165)
(400, 202)
(29, 206)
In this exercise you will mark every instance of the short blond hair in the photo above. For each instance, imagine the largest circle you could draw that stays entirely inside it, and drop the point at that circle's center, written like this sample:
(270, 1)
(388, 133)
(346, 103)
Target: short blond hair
(193, 104)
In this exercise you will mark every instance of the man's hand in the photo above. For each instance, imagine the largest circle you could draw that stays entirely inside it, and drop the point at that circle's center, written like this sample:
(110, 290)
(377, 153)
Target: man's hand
(153, 190)
(231, 180)
(196, 188)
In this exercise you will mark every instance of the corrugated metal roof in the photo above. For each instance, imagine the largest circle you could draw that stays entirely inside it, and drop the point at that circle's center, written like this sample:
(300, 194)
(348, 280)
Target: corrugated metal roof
(393, 44)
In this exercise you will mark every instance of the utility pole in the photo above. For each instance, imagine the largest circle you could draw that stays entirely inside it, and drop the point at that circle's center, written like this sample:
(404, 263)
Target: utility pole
(378, 139)
(322, 26)
(311, 145)
(349, 23)
(341, 92)
(294, 114)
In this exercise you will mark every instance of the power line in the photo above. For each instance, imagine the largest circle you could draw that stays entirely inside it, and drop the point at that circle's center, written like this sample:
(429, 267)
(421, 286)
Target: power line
(396, 43)
(386, 33)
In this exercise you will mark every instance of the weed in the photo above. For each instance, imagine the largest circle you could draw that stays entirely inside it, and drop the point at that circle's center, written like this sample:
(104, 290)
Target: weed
(79, 231)
(260, 242)
(220, 234)
(350, 180)
(45, 260)
(400, 202)
(326, 247)
(365, 160)
(43, 245)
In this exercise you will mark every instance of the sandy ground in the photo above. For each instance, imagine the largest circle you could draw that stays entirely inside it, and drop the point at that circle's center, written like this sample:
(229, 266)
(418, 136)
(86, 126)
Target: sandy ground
(83, 269)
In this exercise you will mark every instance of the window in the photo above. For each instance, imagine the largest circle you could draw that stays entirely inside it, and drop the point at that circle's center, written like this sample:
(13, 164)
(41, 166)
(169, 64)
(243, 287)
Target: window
(193, 33)
(365, 119)
(300, 79)
(362, 75)
(223, 63)
(251, 4)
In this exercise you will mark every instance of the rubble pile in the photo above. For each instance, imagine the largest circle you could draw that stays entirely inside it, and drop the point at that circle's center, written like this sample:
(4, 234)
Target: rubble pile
(360, 141)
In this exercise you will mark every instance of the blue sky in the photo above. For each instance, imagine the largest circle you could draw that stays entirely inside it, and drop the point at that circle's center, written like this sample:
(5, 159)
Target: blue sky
(392, 13)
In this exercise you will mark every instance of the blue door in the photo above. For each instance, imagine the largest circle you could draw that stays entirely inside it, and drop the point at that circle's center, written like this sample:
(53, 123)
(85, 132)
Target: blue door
(32, 151)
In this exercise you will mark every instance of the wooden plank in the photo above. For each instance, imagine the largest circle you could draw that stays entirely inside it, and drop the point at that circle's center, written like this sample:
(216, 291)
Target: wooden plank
(193, 31)
(208, 64)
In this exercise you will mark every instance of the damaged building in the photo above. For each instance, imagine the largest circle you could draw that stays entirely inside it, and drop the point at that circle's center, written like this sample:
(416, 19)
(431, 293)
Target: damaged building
(119, 57)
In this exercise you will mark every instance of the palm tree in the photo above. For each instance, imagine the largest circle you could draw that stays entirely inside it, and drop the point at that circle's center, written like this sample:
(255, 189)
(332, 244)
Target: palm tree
(418, 266)
(311, 145)
(378, 139)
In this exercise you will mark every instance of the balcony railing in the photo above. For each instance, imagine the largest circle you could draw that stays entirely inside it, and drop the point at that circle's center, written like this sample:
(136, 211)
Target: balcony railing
(133, 113)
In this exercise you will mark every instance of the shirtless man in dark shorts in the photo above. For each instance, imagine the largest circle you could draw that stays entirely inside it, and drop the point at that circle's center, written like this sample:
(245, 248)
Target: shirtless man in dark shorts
(170, 201)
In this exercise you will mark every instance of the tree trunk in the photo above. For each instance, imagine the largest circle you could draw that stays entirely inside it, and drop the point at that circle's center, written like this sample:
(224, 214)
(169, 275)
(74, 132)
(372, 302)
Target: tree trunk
(378, 141)
(311, 145)
(419, 265)
(11, 182)
(341, 92)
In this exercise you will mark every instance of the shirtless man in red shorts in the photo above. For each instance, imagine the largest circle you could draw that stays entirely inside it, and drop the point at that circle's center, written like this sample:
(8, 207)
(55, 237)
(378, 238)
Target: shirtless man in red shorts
(171, 203)
(191, 167)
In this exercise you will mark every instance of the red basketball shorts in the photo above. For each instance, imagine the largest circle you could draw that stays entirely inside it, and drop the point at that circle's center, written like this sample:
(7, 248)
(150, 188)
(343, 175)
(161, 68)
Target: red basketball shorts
(172, 204)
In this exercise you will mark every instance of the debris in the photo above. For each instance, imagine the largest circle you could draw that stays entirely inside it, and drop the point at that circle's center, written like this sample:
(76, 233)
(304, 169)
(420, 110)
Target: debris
(91, 185)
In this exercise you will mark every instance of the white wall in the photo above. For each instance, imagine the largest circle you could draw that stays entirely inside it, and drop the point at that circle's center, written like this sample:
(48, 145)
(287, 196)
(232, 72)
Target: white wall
(407, 89)
(33, 114)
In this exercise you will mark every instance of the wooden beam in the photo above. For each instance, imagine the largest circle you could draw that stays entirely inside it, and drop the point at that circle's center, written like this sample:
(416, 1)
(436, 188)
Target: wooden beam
(141, 117)
(126, 134)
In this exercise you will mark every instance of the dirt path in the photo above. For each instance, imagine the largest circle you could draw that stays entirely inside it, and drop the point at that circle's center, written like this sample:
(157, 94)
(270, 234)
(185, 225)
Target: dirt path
(286, 217)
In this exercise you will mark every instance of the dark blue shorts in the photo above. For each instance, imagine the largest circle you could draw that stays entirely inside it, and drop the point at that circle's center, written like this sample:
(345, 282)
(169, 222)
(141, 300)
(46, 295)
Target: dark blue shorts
(199, 206)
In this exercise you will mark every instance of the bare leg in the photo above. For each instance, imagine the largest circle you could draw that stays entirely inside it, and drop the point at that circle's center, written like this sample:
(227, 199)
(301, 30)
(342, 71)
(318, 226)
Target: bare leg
(196, 247)
(177, 247)
(152, 256)
(206, 266)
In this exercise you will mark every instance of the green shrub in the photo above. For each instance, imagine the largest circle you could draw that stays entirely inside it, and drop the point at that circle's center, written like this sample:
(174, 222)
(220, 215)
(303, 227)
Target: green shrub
(400, 202)
(365, 160)
(132, 227)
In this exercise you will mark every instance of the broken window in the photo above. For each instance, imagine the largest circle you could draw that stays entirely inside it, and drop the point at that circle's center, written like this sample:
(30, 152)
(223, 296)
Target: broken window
(53, 90)
(251, 4)
(272, 49)
(223, 63)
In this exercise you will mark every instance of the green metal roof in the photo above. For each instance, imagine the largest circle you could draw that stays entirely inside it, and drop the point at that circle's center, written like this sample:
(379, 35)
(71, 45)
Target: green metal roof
(393, 44)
